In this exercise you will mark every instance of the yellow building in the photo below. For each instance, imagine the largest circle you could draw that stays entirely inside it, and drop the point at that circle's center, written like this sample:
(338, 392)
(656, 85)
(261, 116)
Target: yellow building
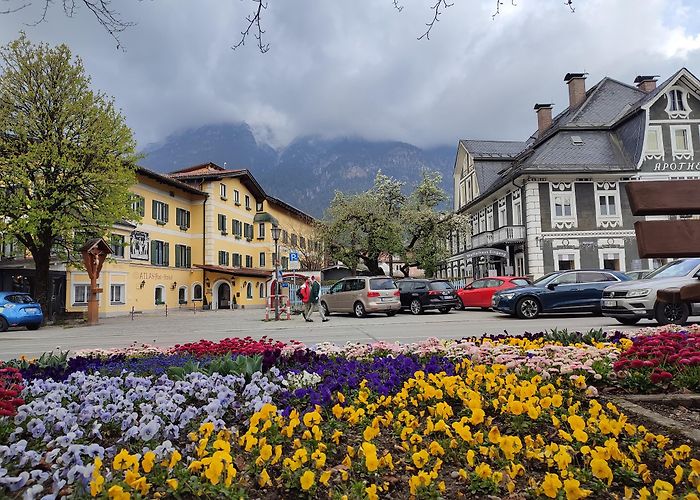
(204, 240)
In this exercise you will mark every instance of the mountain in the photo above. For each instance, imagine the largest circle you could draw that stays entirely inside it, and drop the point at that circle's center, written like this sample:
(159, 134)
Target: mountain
(308, 171)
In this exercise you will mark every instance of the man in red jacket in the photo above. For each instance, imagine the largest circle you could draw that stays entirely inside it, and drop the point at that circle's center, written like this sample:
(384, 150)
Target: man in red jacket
(306, 300)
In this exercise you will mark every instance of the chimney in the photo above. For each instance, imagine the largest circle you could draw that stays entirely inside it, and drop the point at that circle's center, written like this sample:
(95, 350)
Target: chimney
(577, 88)
(646, 83)
(544, 118)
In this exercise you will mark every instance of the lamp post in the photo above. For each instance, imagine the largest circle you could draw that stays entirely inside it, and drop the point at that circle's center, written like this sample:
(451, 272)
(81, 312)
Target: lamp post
(276, 236)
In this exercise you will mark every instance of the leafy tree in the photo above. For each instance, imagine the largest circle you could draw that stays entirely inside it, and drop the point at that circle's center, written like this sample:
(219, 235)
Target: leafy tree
(383, 221)
(67, 158)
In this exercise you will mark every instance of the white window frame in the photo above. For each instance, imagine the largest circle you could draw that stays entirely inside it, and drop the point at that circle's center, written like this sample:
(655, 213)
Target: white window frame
(489, 218)
(261, 230)
(655, 150)
(482, 221)
(620, 255)
(686, 153)
(194, 298)
(567, 251)
(606, 219)
(186, 294)
(502, 212)
(236, 197)
(222, 191)
(559, 221)
(249, 291)
(122, 293)
(161, 211)
(74, 293)
(247, 202)
(676, 113)
(517, 205)
(163, 295)
(262, 291)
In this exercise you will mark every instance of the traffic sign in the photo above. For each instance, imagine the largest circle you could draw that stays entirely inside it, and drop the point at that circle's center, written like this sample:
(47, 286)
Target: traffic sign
(293, 257)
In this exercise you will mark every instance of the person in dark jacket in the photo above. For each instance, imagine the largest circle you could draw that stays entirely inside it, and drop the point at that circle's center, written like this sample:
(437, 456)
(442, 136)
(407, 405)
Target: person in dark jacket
(315, 298)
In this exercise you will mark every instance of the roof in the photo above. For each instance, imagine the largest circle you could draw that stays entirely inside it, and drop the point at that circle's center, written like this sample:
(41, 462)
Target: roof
(212, 171)
(493, 149)
(237, 271)
(578, 151)
(164, 179)
(290, 208)
(488, 173)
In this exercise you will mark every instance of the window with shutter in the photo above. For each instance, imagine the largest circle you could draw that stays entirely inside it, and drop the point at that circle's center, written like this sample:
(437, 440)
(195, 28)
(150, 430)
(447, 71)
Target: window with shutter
(166, 254)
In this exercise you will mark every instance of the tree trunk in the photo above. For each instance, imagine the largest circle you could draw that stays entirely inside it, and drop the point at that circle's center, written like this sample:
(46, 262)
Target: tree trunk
(405, 269)
(42, 282)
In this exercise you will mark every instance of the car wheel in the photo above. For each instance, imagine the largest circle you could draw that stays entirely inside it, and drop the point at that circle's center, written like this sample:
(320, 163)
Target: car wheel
(628, 321)
(416, 307)
(3, 324)
(359, 310)
(460, 305)
(33, 327)
(444, 310)
(676, 314)
(326, 312)
(391, 313)
(527, 308)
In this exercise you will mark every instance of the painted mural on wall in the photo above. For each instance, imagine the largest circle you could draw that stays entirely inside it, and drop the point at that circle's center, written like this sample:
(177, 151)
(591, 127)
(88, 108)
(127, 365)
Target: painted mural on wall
(139, 248)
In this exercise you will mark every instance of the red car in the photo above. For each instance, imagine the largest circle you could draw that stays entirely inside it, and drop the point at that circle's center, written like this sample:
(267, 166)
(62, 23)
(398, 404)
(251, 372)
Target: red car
(480, 292)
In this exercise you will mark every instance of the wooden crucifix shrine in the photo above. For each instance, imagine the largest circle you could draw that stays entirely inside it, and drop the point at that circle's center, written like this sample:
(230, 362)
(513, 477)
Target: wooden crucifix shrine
(668, 238)
(94, 253)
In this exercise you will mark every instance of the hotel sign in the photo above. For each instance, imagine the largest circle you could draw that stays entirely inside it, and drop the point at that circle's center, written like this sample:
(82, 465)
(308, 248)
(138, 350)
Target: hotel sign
(486, 252)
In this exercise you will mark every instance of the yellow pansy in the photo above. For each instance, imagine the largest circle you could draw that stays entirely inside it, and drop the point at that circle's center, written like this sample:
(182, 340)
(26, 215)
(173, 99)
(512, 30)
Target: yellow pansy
(573, 489)
(551, 485)
(147, 462)
(602, 470)
(116, 492)
(264, 479)
(307, 480)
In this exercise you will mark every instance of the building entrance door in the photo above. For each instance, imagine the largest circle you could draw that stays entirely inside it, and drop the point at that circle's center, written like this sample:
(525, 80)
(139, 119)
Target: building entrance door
(224, 296)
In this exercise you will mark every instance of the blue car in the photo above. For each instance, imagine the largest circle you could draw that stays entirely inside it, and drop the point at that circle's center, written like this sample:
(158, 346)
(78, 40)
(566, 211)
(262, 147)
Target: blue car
(558, 292)
(19, 309)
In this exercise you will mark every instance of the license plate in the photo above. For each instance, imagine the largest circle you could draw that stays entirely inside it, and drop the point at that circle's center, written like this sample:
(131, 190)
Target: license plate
(609, 303)
(31, 310)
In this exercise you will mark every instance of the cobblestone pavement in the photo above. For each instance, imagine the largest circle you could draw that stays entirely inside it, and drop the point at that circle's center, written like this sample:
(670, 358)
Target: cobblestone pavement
(185, 326)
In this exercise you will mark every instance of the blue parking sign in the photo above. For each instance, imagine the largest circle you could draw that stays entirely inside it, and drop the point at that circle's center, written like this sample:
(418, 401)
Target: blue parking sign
(293, 257)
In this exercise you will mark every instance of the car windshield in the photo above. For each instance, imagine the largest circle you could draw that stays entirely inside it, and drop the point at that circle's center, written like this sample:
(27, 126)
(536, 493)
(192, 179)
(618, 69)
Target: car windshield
(382, 284)
(440, 285)
(544, 280)
(520, 282)
(675, 269)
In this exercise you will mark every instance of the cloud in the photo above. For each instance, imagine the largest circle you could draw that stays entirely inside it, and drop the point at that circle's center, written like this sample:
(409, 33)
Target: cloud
(357, 68)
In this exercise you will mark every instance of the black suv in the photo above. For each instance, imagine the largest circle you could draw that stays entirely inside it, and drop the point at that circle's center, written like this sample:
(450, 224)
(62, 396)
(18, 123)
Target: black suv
(417, 295)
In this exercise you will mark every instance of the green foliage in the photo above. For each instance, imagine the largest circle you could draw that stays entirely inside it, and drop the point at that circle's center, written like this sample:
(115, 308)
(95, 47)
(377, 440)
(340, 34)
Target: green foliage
(361, 227)
(223, 365)
(565, 337)
(67, 157)
(47, 361)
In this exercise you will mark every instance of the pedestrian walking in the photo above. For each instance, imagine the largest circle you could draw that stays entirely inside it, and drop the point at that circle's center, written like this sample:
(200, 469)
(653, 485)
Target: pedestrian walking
(315, 299)
(305, 291)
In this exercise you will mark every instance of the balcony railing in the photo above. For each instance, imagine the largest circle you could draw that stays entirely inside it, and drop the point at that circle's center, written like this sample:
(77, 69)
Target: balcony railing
(505, 234)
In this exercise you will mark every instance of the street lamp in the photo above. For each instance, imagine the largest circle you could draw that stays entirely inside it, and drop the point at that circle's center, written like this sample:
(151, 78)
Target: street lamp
(276, 236)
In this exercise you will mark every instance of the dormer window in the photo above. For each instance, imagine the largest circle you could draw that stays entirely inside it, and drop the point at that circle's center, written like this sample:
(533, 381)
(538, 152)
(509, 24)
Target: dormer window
(676, 98)
(677, 103)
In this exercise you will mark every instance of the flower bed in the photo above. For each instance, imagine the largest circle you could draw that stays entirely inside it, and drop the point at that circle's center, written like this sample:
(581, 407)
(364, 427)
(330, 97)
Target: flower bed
(495, 416)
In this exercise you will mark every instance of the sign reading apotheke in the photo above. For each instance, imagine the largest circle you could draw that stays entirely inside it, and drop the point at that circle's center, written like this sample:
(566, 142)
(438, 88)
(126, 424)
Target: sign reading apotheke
(677, 166)
(139, 248)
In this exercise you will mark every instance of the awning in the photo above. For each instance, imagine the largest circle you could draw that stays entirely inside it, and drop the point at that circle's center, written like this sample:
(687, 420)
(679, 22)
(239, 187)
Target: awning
(265, 217)
(237, 271)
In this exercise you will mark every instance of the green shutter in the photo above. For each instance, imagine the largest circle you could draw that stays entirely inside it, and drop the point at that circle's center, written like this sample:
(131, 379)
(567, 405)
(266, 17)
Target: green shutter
(187, 216)
(153, 209)
(166, 212)
(154, 246)
(166, 254)
(188, 257)
(178, 262)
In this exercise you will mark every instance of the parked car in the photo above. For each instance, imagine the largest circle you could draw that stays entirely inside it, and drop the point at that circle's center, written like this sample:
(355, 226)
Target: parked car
(418, 295)
(557, 292)
(361, 296)
(638, 275)
(631, 302)
(479, 293)
(19, 309)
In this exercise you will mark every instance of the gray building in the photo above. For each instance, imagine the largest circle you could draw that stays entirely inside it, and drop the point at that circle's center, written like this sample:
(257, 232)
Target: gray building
(557, 200)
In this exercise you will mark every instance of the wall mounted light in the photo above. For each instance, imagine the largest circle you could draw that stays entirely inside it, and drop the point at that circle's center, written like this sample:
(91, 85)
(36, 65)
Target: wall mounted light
(143, 284)
(207, 283)
(174, 285)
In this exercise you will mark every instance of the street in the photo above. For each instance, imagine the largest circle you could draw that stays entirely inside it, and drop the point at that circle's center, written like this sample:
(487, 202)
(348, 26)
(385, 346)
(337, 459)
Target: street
(185, 326)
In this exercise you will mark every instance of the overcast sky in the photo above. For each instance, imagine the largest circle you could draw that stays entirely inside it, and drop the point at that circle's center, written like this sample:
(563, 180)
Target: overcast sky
(354, 67)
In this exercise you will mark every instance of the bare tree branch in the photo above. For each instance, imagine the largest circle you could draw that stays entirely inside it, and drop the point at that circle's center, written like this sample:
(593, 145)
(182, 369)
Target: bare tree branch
(438, 8)
(397, 6)
(254, 24)
(13, 9)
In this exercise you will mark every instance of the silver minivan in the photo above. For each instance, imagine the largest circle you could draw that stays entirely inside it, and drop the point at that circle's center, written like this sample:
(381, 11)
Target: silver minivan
(362, 295)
